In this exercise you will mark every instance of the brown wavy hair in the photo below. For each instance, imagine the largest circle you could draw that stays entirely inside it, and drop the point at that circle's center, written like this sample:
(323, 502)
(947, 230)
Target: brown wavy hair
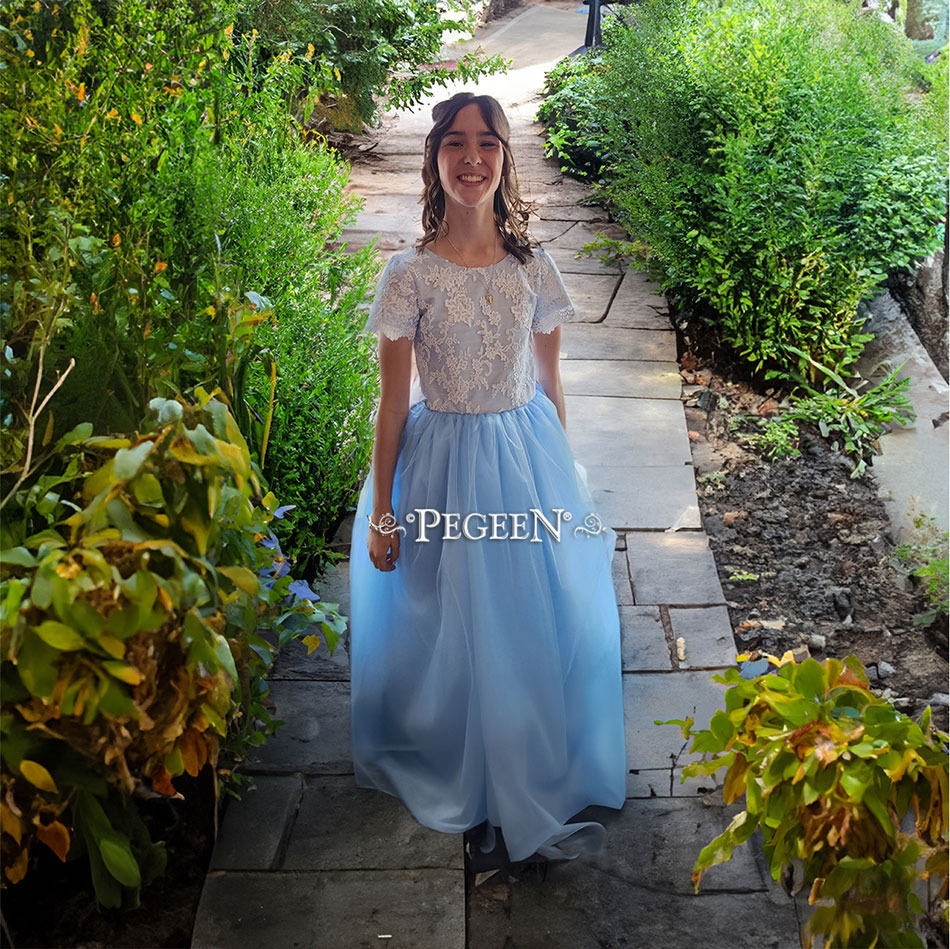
(511, 211)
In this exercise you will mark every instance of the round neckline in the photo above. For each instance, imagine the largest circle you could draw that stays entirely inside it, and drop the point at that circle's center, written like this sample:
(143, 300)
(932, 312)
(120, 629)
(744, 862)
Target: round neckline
(452, 263)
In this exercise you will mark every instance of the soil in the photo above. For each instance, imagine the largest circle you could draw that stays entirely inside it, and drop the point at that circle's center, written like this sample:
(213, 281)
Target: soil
(817, 542)
(55, 904)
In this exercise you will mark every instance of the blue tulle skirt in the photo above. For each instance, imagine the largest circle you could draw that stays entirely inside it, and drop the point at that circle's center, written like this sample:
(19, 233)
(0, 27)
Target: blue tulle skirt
(486, 674)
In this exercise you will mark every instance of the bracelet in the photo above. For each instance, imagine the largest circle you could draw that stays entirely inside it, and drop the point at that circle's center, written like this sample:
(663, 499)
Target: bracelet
(387, 525)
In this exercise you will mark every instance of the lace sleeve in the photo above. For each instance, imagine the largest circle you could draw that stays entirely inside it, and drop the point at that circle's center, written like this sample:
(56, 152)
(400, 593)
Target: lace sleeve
(554, 305)
(394, 311)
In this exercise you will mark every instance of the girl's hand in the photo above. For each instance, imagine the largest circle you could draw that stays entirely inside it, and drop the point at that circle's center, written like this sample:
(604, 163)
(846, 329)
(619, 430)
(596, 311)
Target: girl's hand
(383, 548)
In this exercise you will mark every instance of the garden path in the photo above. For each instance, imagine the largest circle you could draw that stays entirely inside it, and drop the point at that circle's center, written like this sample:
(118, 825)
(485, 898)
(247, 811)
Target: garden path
(308, 859)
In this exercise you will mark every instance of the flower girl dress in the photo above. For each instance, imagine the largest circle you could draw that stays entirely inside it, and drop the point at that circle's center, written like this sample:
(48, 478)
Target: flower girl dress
(485, 669)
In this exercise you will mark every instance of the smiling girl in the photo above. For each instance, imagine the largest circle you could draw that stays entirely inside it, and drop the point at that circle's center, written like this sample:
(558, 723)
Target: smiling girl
(486, 676)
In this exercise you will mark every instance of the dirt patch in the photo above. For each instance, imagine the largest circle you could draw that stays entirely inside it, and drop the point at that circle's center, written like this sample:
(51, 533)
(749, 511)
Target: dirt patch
(805, 552)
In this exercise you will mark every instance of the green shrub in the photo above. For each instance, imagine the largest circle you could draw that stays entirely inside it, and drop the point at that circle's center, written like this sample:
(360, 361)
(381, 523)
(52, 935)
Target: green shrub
(777, 160)
(133, 586)
(829, 772)
(572, 115)
(377, 48)
(150, 208)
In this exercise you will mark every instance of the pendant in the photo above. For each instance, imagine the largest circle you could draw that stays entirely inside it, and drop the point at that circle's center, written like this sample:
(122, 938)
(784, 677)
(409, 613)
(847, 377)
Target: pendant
(488, 298)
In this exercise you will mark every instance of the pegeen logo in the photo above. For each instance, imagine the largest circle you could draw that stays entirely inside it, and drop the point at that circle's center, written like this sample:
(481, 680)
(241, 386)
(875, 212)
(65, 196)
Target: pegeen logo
(495, 526)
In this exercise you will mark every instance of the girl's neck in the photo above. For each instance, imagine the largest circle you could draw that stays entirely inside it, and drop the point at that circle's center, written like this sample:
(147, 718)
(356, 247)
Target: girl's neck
(470, 235)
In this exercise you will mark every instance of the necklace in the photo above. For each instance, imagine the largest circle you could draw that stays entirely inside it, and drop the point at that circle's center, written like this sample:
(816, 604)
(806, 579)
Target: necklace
(488, 296)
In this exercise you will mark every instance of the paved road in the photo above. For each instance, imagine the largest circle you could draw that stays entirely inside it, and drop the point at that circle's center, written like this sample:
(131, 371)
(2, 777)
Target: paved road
(310, 860)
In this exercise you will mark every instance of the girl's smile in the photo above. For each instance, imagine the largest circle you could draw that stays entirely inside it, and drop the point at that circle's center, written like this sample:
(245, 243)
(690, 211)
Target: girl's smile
(470, 159)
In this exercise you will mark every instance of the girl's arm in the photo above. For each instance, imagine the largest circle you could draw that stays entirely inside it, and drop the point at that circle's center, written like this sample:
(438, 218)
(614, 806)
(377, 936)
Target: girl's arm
(395, 366)
(547, 352)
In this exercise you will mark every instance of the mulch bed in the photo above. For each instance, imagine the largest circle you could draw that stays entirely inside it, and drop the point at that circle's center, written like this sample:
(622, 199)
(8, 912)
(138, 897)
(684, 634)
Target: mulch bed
(818, 542)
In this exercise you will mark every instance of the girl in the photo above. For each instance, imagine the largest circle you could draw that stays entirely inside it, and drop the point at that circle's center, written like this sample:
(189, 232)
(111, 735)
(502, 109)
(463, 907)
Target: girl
(485, 641)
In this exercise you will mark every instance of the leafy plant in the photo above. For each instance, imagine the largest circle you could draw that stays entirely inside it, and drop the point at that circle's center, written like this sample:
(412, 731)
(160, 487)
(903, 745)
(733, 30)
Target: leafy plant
(168, 224)
(571, 113)
(775, 160)
(777, 438)
(377, 49)
(133, 588)
(830, 772)
(926, 555)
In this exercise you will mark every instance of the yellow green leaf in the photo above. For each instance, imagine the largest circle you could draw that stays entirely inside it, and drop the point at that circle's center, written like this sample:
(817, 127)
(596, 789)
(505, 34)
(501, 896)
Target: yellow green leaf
(174, 762)
(10, 823)
(123, 671)
(147, 489)
(194, 520)
(311, 642)
(117, 856)
(241, 577)
(114, 647)
(48, 434)
(60, 636)
(38, 776)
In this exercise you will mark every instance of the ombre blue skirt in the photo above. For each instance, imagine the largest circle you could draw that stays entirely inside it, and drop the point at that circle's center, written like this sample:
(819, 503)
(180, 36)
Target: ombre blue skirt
(486, 672)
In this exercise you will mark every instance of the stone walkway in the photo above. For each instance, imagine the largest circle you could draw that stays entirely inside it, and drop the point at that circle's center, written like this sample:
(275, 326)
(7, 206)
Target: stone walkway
(308, 859)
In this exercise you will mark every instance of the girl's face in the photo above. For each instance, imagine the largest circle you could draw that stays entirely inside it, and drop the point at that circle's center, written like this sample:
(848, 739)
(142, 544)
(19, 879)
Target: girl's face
(470, 160)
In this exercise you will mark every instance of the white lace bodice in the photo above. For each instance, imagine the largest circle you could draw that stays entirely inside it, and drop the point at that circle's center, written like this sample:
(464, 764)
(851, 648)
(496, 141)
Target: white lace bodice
(473, 355)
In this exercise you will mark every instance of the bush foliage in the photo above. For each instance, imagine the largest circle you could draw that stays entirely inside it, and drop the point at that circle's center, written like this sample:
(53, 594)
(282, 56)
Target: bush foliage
(132, 587)
(377, 49)
(170, 239)
(159, 185)
(829, 771)
(776, 159)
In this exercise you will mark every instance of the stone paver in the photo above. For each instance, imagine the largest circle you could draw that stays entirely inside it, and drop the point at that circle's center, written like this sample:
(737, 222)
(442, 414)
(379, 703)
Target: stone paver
(315, 738)
(569, 262)
(621, 577)
(668, 782)
(638, 305)
(340, 826)
(652, 499)
(582, 341)
(628, 432)
(409, 909)
(708, 637)
(643, 641)
(252, 829)
(621, 377)
(311, 860)
(639, 892)
(591, 294)
(573, 911)
(674, 568)
(649, 697)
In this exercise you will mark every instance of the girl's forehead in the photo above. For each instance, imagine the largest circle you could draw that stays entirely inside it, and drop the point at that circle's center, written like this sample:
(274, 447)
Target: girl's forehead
(469, 119)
